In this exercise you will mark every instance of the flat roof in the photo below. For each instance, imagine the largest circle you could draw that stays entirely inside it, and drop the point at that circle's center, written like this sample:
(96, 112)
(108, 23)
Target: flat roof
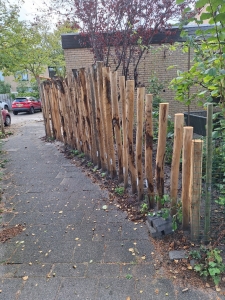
(79, 40)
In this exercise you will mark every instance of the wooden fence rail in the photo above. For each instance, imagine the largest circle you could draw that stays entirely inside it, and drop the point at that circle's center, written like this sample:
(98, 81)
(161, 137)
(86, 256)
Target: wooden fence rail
(93, 111)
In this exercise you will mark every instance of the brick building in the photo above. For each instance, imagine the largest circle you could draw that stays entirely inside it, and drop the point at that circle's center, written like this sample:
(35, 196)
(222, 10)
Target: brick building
(157, 60)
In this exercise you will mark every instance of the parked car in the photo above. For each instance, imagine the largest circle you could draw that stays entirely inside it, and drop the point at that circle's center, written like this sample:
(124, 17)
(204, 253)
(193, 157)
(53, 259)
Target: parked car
(4, 105)
(26, 104)
(6, 117)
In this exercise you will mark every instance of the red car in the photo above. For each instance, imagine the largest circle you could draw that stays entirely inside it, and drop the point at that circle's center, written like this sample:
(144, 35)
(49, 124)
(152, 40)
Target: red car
(6, 117)
(26, 104)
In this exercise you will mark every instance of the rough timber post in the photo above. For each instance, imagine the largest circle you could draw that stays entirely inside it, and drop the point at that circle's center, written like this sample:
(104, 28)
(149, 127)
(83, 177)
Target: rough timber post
(177, 147)
(130, 123)
(101, 117)
(108, 116)
(186, 172)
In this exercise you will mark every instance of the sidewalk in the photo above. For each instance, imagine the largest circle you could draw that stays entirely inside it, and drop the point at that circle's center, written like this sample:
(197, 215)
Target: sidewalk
(71, 248)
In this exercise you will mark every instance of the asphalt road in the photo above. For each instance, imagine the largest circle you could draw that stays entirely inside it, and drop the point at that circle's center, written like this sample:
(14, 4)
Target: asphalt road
(25, 117)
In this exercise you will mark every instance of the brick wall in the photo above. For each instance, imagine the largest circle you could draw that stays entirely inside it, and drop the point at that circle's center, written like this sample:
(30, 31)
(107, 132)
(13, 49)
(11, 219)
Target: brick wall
(157, 60)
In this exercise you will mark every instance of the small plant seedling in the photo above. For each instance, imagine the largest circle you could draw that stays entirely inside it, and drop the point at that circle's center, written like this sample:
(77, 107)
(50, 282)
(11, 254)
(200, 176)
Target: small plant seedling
(144, 208)
(81, 155)
(103, 174)
(195, 254)
(95, 169)
(210, 263)
(75, 152)
(129, 276)
(89, 164)
(119, 190)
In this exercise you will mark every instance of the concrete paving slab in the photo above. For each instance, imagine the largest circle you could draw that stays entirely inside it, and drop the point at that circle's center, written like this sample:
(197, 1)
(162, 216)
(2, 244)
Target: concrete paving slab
(78, 288)
(40, 288)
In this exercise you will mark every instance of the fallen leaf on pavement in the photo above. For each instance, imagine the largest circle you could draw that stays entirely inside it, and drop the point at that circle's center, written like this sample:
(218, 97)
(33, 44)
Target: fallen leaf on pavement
(25, 278)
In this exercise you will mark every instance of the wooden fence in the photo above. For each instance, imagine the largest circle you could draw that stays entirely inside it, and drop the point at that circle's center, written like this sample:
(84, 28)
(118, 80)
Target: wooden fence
(93, 111)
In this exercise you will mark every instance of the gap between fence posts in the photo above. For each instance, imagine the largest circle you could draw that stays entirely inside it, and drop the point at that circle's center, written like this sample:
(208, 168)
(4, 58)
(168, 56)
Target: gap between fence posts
(208, 185)
(130, 122)
(175, 166)
(195, 188)
(161, 149)
(116, 123)
(124, 126)
(101, 115)
(108, 119)
(139, 138)
(149, 149)
(186, 170)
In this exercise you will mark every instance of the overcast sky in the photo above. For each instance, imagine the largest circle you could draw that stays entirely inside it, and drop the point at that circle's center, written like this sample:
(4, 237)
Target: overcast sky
(28, 8)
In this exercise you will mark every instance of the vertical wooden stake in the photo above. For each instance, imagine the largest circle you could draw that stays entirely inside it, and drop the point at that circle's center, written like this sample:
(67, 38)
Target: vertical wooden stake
(95, 136)
(139, 141)
(161, 148)
(124, 126)
(2, 123)
(186, 169)
(101, 115)
(54, 96)
(208, 179)
(116, 123)
(149, 149)
(130, 122)
(108, 118)
(195, 188)
(177, 146)
(46, 112)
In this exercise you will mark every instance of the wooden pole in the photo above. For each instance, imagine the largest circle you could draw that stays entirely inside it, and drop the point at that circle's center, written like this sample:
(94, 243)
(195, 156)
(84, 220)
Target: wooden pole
(116, 123)
(101, 116)
(46, 112)
(186, 169)
(92, 109)
(149, 149)
(2, 124)
(139, 141)
(208, 185)
(108, 116)
(89, 116)
(161, 149)
(69, 120)
(51, 109)
(124, 127)
(77, 111)
(195, 188)
(54, 98)
(99, 141)
(130, 123)
(177, 147)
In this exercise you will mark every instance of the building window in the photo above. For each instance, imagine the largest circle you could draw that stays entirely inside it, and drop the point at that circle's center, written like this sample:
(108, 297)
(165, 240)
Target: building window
(1, 76)
(21, 76)
(24, 77)
(51, 72)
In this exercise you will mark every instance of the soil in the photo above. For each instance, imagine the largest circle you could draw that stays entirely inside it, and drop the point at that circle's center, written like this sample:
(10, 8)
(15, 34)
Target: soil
(9, 233)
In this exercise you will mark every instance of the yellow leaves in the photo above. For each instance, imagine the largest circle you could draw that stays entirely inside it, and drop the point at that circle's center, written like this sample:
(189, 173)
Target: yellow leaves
(189, 267)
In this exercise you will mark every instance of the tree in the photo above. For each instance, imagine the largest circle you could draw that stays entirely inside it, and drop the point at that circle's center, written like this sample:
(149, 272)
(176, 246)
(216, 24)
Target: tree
(207, 73)
(120, 31)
